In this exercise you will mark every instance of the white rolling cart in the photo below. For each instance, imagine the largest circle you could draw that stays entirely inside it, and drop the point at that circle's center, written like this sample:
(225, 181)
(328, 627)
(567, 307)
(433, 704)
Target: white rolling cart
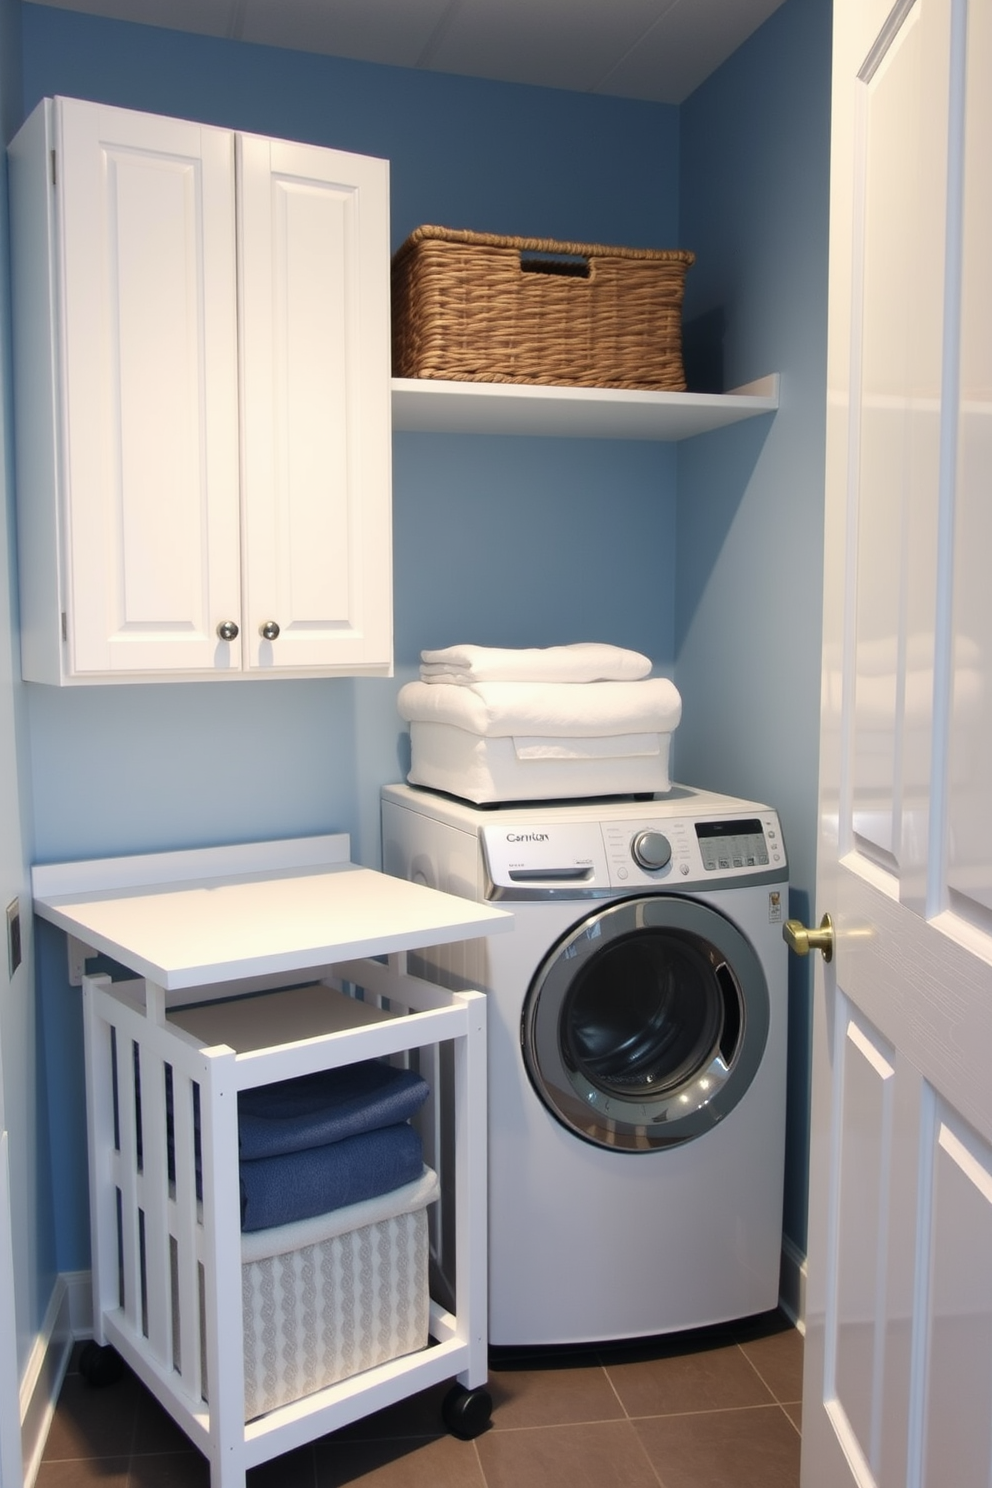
(253, 964)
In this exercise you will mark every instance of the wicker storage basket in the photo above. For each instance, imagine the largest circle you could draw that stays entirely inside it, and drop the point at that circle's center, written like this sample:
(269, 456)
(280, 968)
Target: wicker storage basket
(470, 307)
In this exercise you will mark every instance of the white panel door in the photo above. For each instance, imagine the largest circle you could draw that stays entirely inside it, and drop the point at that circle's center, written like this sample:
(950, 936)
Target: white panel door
(316, 416)
(898, 1387)
(150, 412)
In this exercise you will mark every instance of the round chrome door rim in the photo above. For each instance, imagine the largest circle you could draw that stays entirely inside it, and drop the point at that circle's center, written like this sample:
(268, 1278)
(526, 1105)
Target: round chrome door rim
(601, 1112)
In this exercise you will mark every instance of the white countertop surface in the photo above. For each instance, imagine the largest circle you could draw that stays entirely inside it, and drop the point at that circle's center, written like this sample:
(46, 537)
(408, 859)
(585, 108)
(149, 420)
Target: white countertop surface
(191, 919)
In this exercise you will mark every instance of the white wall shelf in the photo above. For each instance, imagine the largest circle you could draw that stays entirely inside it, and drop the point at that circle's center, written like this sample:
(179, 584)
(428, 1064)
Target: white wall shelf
(434, 407)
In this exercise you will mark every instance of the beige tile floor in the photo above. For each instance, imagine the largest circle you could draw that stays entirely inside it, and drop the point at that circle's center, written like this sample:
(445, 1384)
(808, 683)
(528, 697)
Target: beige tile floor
(719, 1408)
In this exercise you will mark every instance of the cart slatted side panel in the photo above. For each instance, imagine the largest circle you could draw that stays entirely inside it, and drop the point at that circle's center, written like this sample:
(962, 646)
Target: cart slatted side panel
(165, 1205)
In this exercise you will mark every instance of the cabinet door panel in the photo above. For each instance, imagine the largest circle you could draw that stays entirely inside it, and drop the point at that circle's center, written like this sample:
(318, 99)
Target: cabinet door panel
(316, 417)
(150, 351)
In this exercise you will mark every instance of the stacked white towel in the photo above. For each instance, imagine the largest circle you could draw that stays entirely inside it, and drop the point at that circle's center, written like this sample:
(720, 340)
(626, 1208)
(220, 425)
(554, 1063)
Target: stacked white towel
(490, 725)
(560, 710)
(587, 661)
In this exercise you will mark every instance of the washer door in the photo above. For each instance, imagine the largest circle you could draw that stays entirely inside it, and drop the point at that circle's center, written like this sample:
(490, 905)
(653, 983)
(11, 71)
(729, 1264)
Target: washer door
(646, 1024)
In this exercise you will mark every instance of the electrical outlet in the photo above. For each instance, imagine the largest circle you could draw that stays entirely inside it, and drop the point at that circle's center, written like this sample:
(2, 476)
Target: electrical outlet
(13, 935)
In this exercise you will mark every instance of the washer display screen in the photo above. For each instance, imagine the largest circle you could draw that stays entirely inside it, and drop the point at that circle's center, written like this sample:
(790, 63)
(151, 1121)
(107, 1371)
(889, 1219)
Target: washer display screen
(732, 844)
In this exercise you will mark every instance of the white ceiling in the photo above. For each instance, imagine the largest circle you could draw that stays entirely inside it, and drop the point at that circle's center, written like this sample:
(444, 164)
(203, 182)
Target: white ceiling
(658, 50)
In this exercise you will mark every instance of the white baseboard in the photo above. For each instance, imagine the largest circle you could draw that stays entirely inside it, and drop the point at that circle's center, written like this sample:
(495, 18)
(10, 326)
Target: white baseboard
(43, 1377)
(792, 1283)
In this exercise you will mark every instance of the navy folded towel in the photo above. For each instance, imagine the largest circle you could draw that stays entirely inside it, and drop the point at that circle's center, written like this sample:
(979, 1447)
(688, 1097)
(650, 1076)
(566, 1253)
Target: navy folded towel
(299, 1185)
(313, 1110)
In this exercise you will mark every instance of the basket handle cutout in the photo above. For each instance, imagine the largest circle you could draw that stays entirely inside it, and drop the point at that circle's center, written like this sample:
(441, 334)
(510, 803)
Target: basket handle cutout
(574, 267)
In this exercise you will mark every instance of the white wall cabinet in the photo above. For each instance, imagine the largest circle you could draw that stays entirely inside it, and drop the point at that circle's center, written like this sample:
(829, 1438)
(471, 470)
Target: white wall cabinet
(201, 344)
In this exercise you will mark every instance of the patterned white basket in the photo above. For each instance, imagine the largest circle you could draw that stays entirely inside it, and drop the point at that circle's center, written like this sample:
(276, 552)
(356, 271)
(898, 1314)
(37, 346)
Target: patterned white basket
(327, 1298)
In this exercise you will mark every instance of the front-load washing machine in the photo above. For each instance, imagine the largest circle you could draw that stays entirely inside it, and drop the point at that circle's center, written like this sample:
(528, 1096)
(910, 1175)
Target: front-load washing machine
(637, 1051)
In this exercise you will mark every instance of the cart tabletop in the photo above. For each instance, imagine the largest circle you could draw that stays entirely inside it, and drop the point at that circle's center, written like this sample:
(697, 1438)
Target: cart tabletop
(205, 916)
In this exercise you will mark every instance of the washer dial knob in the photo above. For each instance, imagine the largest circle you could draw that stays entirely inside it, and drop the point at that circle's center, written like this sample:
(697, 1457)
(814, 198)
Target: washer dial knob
(651, 850)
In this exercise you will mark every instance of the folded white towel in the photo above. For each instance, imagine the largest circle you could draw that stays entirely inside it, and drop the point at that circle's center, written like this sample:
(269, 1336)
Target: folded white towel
(587, 661)
(554, 709)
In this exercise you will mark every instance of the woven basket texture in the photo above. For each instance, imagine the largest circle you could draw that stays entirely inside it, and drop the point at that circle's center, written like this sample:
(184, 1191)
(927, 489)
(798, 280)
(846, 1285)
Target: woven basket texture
(471, 307)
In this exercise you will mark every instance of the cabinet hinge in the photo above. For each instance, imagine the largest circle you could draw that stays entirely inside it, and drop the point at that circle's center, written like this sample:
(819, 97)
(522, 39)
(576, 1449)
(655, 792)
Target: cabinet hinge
(53, 169)
(65, 627)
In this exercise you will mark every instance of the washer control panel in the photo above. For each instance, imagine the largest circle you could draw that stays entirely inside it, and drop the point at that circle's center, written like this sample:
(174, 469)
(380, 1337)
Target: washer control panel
(579, 859)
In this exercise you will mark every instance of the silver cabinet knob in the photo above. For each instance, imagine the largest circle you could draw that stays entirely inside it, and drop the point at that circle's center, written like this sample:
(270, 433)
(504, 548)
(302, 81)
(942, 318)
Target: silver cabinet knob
(269, 631)
(227, 630)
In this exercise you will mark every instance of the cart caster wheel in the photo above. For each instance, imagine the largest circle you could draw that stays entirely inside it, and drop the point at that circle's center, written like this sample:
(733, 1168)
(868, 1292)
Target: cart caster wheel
(100, 1364)
(466, 1413)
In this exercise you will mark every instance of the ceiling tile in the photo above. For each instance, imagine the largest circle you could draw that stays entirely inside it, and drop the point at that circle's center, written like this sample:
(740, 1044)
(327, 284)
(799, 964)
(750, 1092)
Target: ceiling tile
(657, 50)
(689, 42)
(394, 32)
(555, 43)
(204, 17)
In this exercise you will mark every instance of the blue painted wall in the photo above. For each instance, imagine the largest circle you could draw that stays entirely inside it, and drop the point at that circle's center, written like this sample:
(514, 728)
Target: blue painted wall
(750, 499)
(464, 152)
(503, 541)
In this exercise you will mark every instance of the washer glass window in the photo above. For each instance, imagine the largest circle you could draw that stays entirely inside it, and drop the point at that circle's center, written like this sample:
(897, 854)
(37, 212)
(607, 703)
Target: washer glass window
(646, 1024)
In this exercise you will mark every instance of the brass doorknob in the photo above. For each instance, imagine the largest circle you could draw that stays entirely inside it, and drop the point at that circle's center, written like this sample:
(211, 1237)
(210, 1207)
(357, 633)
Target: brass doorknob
(801, 939)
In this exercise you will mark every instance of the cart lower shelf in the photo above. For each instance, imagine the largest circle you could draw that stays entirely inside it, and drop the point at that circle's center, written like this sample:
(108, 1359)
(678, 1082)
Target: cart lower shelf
(465, 1413)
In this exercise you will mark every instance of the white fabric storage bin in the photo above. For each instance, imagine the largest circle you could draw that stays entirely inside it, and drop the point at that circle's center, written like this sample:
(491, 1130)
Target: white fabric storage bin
(486, 769)
(330, 1297)
(541, 741)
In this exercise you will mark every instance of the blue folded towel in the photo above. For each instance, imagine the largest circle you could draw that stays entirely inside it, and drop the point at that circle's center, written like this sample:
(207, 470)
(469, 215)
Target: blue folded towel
(299, 1185)
(330, 1106)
